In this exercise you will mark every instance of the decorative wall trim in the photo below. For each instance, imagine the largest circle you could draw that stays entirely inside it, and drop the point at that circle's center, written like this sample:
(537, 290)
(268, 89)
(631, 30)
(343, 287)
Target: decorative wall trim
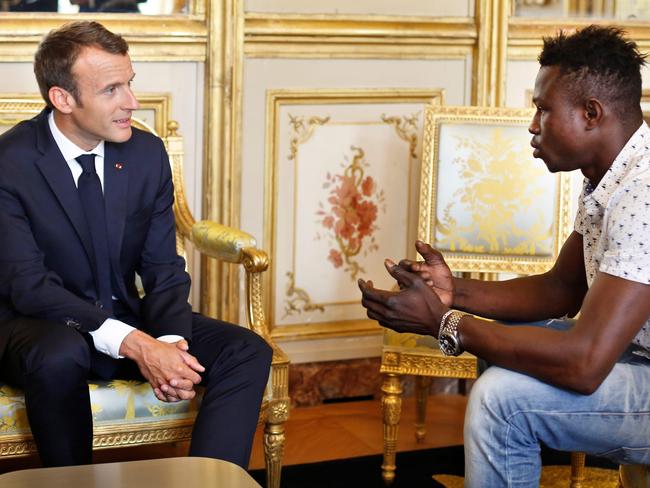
(151, 38)
(331, 316)
(525, 36)
(345, 36)
(222, 136)
(490, 53)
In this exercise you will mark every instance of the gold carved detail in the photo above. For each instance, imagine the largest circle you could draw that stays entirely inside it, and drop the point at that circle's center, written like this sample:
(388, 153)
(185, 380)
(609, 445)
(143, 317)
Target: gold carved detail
(142, 437)
(274, 440)
(391, 406)
(278, 412)
(298, 300)
(303, 131)
(434, 364)
(407, 129)
(20, 448)
(390, 359)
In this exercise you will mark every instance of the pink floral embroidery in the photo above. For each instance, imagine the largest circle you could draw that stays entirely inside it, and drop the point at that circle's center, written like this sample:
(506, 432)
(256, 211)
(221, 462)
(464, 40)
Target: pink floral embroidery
(352, 214)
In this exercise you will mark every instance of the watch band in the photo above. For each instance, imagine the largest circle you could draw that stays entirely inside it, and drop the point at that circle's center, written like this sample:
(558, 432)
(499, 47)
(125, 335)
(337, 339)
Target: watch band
(444, 318)
(448, 335)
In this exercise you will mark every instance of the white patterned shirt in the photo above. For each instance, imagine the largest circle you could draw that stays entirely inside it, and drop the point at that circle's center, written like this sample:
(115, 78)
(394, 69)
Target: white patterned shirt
(614, 219)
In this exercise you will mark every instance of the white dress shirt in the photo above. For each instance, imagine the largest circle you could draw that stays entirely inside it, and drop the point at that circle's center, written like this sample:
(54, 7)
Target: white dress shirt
(108, 337)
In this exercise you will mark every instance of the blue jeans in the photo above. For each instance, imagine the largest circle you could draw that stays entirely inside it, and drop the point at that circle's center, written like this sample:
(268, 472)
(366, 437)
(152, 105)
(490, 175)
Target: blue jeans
(509, 414)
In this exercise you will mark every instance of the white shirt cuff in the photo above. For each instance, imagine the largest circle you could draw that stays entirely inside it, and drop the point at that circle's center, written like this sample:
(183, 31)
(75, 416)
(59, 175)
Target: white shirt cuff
(171, 338)
(109, 336)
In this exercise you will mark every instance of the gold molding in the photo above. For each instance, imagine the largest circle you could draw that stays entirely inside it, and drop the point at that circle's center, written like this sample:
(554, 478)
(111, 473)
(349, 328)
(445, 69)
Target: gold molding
(274, 99)
(350, 36)
(525, 36)
(222, 136)
(150, 38)
(490, 53)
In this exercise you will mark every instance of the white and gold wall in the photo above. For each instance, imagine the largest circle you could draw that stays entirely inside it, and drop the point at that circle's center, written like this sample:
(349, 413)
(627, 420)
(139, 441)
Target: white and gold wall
(290, 109)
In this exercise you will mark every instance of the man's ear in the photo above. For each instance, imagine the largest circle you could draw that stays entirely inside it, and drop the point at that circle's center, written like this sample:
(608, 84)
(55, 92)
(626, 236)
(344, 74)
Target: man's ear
(593, 113)
(61, 99)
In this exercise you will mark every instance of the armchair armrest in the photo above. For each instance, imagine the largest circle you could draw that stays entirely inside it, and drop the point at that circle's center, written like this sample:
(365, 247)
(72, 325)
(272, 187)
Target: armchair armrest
(236, 246)
(223, 242)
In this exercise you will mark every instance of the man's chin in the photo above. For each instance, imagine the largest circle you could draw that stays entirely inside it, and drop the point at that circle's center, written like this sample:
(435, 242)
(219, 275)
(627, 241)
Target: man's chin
(121, 135)
(552, 168)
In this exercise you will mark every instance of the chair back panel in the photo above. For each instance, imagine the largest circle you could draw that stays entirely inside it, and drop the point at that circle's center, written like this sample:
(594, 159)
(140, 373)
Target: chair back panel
(485, 202)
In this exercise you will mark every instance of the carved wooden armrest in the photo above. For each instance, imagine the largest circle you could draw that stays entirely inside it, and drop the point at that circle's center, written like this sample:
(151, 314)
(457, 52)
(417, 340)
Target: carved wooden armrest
(236, 246)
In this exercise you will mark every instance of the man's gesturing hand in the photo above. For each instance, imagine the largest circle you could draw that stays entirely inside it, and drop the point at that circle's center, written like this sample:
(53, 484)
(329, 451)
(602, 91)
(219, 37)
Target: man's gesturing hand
(433, 270)
(415, 308)
(169, 368)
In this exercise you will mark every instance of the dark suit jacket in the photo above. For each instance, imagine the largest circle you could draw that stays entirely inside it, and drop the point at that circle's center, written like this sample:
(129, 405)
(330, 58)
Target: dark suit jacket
(46, 267)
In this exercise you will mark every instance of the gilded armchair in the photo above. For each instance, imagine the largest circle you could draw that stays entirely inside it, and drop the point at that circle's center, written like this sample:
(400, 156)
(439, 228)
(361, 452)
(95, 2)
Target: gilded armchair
(126, 413)
(489, 208)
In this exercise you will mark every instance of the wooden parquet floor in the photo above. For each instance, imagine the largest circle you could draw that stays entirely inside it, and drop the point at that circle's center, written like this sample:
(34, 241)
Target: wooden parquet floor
(342, 430)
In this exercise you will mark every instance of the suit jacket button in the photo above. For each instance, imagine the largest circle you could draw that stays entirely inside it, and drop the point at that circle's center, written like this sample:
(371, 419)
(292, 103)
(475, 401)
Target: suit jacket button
(98, 304)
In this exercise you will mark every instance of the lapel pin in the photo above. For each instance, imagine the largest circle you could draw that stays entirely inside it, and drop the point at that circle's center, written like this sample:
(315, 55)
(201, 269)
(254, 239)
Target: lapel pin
(119, 165)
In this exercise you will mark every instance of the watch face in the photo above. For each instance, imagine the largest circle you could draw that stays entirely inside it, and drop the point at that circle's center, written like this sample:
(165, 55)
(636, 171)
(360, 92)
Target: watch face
(448, 344)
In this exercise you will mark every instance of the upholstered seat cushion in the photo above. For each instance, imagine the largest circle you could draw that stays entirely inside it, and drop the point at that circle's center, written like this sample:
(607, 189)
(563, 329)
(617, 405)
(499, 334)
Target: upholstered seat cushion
(405, 340)
(113, 403)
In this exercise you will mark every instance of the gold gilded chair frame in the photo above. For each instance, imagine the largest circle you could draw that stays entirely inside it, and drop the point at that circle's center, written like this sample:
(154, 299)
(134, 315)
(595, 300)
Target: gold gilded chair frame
(212, 240)
(409, 354)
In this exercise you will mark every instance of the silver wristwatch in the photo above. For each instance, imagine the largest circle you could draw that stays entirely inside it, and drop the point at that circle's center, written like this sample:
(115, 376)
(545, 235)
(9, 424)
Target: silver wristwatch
(448, 335)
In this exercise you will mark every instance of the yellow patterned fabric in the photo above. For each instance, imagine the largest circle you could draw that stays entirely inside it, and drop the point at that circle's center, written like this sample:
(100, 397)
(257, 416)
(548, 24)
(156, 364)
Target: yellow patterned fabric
(116, 402)
(421, 343)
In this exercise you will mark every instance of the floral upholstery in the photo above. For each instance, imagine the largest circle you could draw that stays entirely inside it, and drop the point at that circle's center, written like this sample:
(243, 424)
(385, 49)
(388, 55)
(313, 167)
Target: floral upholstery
(112, 402)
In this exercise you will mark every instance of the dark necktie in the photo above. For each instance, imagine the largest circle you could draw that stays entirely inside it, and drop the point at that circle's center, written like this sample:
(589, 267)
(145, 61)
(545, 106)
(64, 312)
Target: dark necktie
(92, 201)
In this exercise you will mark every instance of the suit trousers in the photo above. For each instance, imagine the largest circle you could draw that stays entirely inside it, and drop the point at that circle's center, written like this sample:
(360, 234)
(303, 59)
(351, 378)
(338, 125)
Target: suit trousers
(52, 362)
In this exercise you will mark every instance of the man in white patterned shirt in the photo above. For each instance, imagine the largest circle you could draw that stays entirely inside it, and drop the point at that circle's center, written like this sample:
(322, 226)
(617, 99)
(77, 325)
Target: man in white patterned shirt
(573, 385)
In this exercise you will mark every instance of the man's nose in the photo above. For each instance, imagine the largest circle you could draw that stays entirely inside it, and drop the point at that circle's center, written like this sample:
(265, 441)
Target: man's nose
(131, 102)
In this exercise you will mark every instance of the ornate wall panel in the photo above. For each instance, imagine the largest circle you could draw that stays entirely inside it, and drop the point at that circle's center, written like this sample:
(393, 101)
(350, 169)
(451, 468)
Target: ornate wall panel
(341, 170)
(296, 51)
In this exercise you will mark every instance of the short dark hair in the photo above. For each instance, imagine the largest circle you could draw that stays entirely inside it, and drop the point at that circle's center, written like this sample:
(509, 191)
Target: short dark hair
(598, 61)
(60, 48)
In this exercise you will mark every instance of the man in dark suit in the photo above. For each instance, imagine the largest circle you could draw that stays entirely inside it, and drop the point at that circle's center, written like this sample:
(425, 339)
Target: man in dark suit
(85, 205)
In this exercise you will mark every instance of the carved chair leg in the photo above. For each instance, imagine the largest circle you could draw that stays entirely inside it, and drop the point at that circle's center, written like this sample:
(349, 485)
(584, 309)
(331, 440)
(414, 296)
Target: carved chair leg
(391, 405)
(422, 384)
(273, 452)
(633, 476)
(577, 469)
